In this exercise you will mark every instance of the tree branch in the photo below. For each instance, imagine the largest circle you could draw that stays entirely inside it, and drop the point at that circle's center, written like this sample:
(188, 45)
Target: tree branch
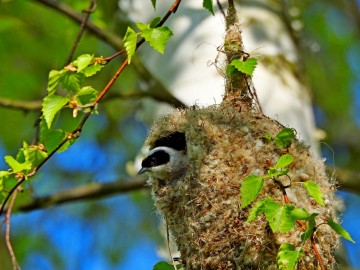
(21, 104)
(84, 192)
(117, 44)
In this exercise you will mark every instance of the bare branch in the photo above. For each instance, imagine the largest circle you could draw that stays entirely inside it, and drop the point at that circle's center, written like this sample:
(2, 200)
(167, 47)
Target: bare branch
(81, 31)
(85, 192)
(20, 104)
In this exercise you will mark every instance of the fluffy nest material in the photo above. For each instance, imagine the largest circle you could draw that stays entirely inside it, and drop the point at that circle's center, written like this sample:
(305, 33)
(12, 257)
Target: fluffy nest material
(225, 143)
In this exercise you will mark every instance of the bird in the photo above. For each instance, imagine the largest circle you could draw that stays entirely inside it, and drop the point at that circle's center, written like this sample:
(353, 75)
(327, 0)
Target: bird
(165, 165)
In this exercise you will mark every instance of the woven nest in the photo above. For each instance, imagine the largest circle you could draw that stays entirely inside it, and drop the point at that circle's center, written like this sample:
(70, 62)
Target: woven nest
(225, 143)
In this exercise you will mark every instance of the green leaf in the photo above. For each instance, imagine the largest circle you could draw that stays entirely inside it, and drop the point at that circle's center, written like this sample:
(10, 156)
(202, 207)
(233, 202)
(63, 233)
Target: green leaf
(51, 106)
(267, 137)
(155, 22)
(32, 153)
(86, 95)
(288, 257)
(142, 26)
(284, 161)
(258, 209)
(50, 138)
(130, 42)
(71, 81)
(157, 37)
(284, 138)
(279, 216)
(310, 228)
(92, 70)
(83, 61)
(300, 214)
(314, 191)
(4, 174)
(250, 189)
(209, 5)
(153, 2)
(54, 78)
(246, 67)
(339, 229)
(16, 166)
(163, 266)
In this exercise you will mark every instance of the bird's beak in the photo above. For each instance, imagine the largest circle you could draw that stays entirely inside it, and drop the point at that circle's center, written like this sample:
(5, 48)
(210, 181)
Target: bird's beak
(142, 170)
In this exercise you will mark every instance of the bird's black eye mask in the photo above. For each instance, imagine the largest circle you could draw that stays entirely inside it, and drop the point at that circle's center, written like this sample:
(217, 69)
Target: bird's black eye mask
(175, 140)
(158, 158)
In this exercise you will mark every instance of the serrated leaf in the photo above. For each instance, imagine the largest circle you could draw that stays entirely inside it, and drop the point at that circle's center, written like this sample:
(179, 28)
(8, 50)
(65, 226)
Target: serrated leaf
(153, 2)
(258, 209)
(92, 70)
(284, 161)
(246, 67)
(285, 137)
(32, 153)
(339, 229)
(163, 266)
(209, 5)
(279, 216)
(310, 228)
(72, 81)
(16, 166)
(83, 61)
(86, 95)
(157, 37)
(51, 106)
(130, 42)
(314, 191)
(50, 138)
(142, 26)
(250, 189)
(288, 257)
(53, 81)
(300, 214)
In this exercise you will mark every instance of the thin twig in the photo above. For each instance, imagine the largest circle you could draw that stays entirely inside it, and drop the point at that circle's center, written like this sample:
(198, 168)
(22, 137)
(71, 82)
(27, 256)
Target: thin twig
(116, 43)
(318, 256)
(221, 8)
(7, 233)
(84, 21)
(77, 131)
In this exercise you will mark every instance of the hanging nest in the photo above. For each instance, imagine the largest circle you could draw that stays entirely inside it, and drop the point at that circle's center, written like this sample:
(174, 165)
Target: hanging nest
(203, 211)
(225, 144)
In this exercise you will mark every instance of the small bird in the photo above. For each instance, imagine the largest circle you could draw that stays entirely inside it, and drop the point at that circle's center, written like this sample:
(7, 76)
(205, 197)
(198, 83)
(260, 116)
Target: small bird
(164, 164)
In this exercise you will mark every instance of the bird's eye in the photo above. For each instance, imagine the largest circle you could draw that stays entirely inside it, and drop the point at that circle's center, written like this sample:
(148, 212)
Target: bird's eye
(153, 161)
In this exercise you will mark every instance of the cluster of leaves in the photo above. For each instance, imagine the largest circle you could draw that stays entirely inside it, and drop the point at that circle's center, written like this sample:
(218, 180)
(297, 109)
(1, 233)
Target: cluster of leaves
(65, 89)
(70, 78)
(283, 216)
(156, 36)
